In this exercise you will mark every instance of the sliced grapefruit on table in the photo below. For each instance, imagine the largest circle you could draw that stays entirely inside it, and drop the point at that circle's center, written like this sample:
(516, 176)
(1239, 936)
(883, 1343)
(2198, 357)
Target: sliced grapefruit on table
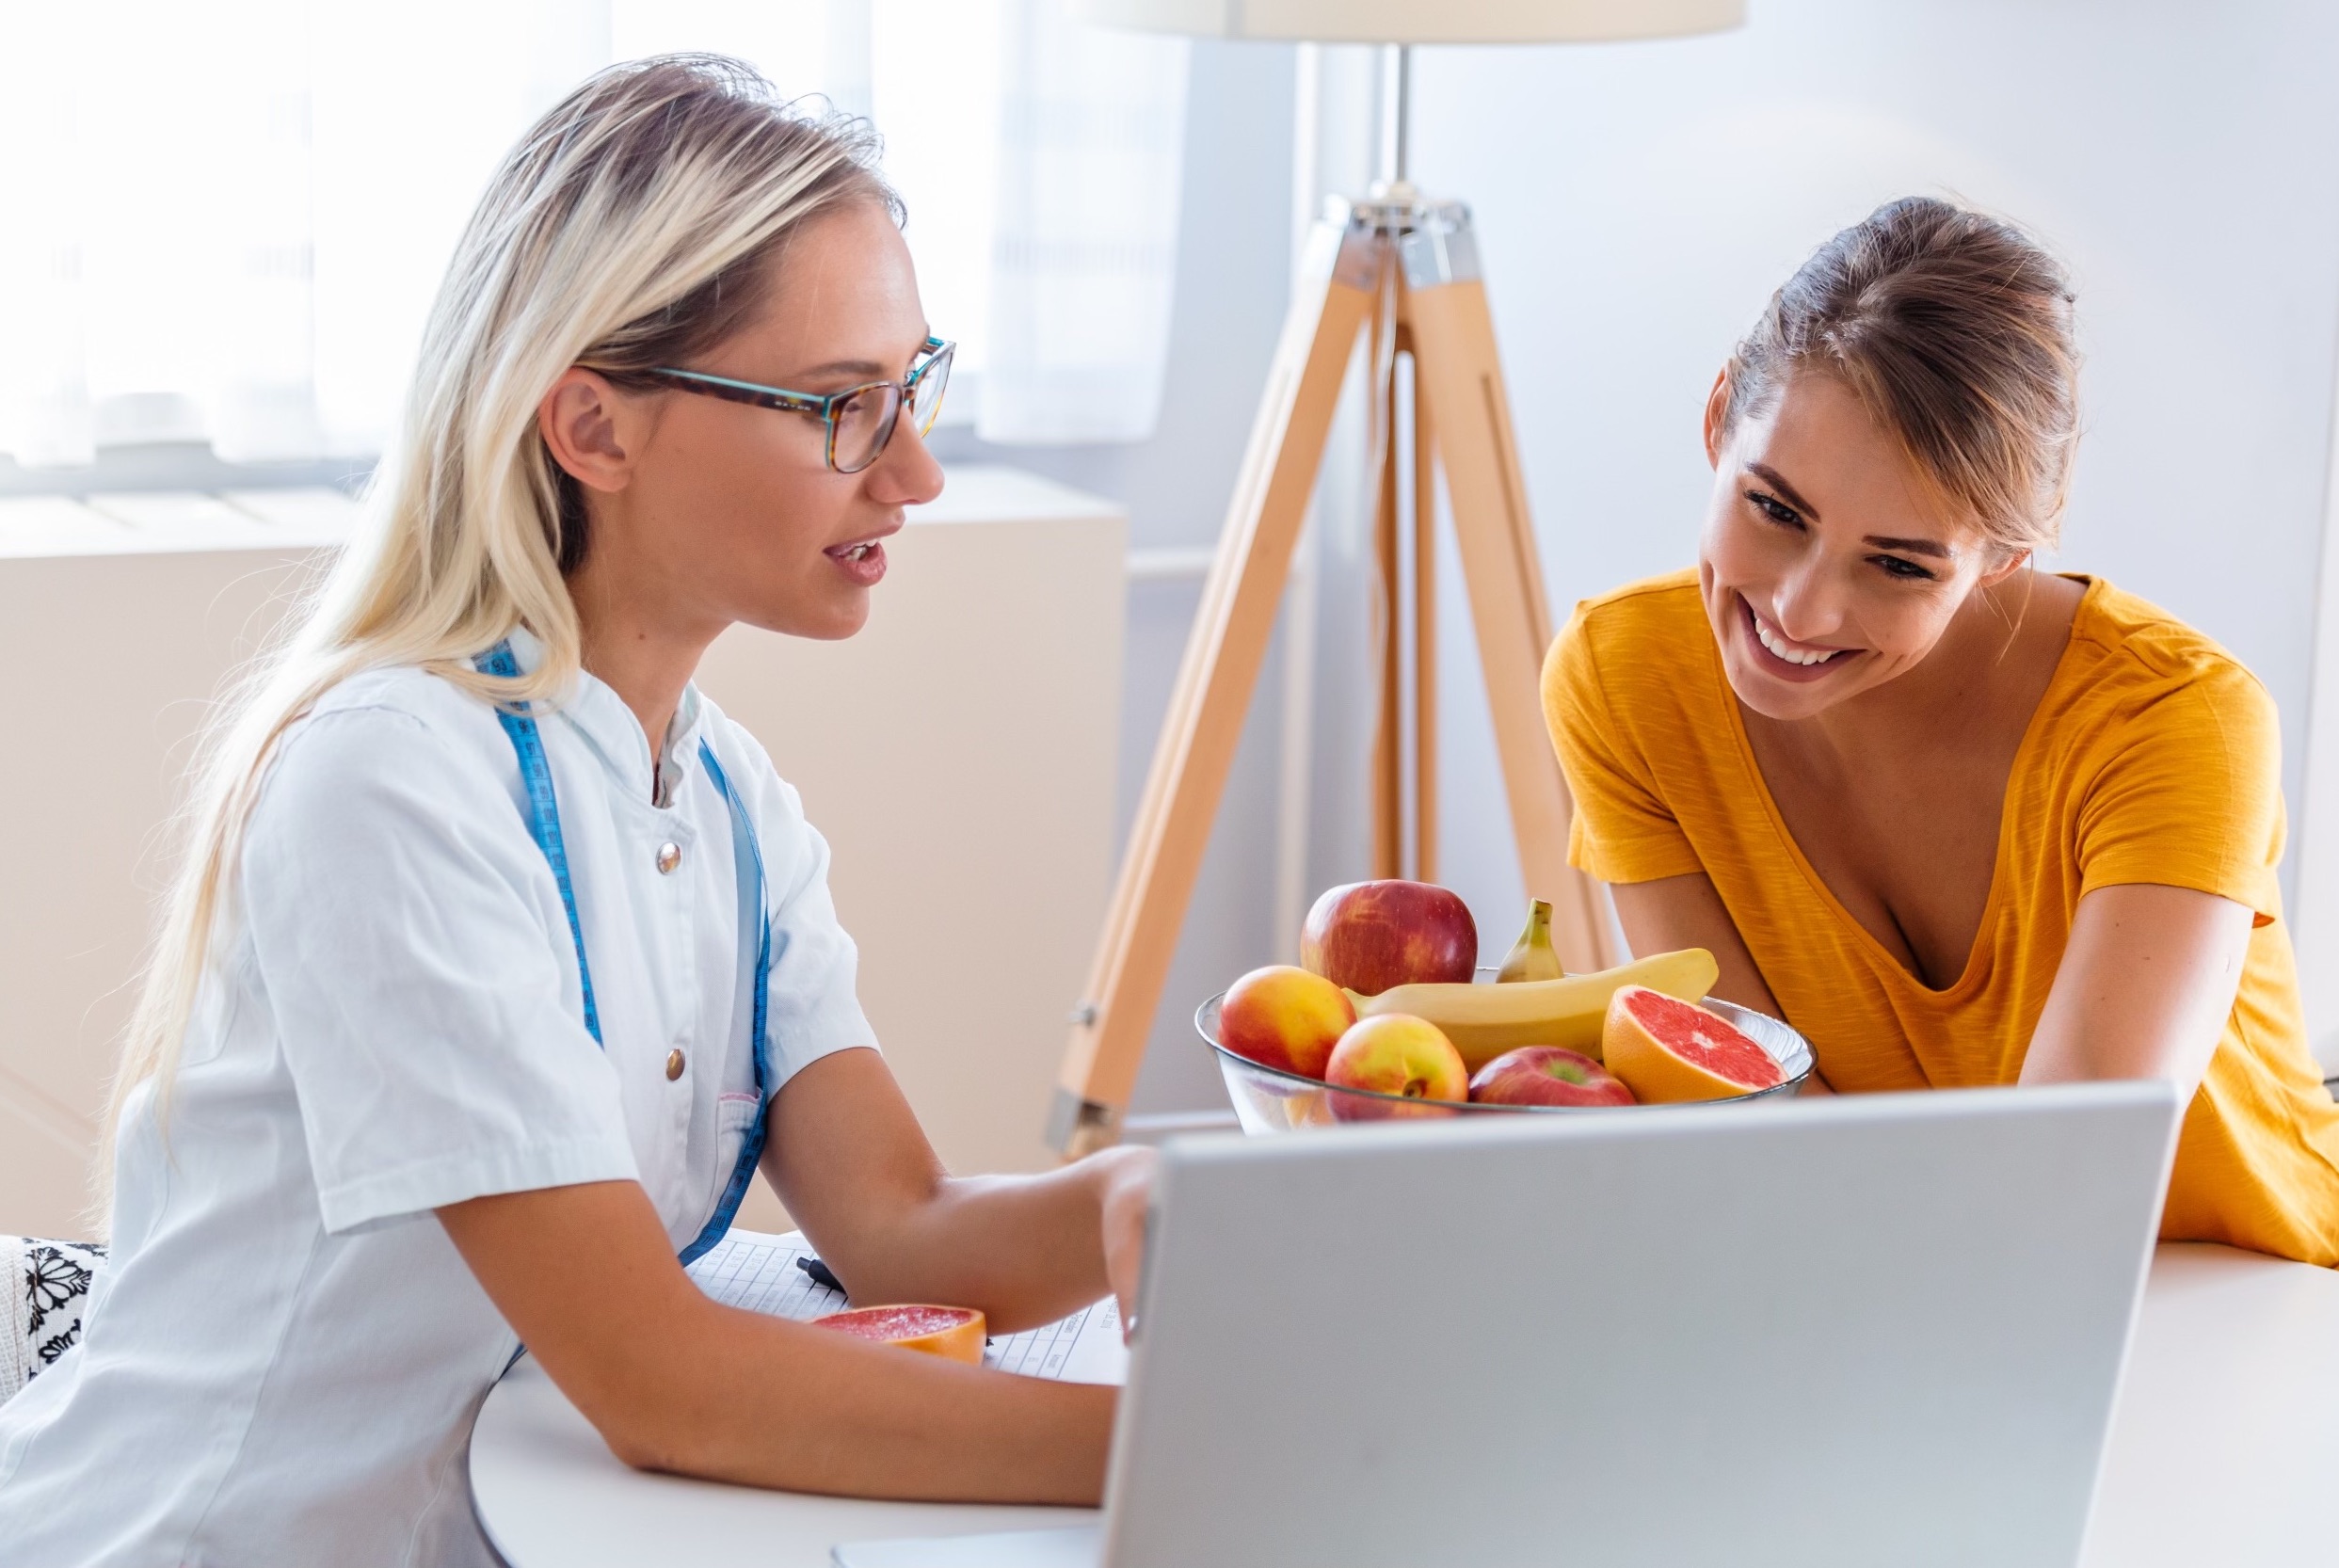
(955, 1332)
(1667, 1050)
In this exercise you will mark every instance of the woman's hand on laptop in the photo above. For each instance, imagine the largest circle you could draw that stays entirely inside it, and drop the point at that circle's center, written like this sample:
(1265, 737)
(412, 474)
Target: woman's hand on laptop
(1128, 1175)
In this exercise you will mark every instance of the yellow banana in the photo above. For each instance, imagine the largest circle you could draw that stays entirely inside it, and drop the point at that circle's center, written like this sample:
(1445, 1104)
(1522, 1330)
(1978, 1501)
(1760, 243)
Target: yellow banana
(1533, 956)
(1483, 1021)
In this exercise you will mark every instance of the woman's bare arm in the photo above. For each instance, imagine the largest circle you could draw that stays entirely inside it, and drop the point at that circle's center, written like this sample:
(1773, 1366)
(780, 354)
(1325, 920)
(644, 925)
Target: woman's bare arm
(587, 1277)
(854, 1167)
(2145, 987)
(674, 1381)
(1676, 912)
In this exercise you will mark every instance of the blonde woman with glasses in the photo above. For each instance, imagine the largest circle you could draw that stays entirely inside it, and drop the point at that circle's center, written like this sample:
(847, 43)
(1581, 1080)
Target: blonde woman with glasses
(501, 959)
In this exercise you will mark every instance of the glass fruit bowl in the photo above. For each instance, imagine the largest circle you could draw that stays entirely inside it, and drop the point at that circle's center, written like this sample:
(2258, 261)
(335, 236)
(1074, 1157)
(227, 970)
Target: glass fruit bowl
(1268, 1099)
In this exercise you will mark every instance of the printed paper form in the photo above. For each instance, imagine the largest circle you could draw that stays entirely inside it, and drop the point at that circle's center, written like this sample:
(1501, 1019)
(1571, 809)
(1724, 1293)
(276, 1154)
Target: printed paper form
(759, 1273)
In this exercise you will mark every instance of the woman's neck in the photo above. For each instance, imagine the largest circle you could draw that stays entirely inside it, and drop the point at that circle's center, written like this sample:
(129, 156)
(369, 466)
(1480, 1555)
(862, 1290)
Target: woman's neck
(641, 650)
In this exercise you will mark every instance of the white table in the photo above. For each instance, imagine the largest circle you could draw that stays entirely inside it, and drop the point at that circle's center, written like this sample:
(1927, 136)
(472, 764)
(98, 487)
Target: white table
(2224, 1452)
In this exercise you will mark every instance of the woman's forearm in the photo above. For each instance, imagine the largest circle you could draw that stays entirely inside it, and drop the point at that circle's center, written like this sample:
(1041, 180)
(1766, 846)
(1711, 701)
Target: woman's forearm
(849, 1160)
(1026, 1249)
(2146, 984)
(766, 1402)
(673, 1381)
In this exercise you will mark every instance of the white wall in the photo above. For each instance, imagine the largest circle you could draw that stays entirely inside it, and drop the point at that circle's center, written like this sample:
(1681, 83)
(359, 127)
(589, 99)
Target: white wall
(1638, 202)
(1233, 282)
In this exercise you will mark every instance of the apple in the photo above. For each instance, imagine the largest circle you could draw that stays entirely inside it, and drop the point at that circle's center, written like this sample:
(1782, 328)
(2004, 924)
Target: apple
(1395, 1053)
(1286, 1018)
(1548, 1074)
(1370, 935)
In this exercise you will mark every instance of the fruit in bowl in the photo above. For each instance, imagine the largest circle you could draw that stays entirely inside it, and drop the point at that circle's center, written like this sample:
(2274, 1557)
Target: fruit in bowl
(1533, 956)
(1270, 1101)
(1397, 1055)
(1286, 1018)
(1369, 936)
(1668, 1050)
(1547, 1075)
(1483, 1021)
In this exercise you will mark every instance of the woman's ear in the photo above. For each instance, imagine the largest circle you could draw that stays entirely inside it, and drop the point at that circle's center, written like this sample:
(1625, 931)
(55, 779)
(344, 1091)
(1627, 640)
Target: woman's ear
(582, 423)
(2013, 563)
(1717, 408)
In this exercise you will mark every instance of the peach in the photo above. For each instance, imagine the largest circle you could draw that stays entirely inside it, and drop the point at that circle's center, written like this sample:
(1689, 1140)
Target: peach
(1282, 1017)
(1395, 1053)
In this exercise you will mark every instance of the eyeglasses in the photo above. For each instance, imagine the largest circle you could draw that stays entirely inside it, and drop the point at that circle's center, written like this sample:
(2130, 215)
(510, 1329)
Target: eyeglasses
(859, 419)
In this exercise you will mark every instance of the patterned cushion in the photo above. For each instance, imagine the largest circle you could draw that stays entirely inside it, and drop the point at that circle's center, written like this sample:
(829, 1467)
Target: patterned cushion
(43, 1287)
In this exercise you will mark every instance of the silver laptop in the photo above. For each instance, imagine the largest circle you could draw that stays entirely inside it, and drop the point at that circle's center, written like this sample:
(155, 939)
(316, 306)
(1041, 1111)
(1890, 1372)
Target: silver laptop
(1865, 1330)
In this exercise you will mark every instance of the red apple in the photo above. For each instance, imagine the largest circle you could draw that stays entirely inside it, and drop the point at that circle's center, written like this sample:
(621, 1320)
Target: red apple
(1548, 1074)
(1370, 935)
(1395, 1055)
(1281, 1017)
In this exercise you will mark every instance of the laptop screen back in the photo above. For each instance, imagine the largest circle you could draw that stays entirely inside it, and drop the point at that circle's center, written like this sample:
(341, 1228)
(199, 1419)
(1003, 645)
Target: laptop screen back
(1858, 1331)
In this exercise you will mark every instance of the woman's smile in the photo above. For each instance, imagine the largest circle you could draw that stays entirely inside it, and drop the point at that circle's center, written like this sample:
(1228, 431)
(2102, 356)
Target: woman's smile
(1782, 656)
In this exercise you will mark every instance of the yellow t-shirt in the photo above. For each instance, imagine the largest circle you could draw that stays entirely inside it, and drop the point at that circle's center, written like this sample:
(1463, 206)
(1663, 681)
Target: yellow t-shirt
(2154, 757)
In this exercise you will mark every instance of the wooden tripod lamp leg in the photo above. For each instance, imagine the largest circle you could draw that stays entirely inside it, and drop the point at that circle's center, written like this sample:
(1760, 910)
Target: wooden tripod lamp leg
(1458, 375)
(1424, 639)
(1214, 685)
(1389, 629)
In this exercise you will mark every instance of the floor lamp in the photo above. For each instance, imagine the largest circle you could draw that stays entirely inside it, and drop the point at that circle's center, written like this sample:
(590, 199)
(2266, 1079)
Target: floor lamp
(1404, 269)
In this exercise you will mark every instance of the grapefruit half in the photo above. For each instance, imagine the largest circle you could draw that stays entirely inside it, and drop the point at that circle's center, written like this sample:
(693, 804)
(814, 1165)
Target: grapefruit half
(954, 1332)
(1667, 1050)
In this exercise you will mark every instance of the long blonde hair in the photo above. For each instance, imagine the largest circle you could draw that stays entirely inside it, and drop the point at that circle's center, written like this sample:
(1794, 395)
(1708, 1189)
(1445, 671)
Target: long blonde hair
(628, 229)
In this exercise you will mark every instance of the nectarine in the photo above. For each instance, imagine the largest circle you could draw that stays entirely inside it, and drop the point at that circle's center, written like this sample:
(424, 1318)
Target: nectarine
(1395, 1055)
(1282, 1017)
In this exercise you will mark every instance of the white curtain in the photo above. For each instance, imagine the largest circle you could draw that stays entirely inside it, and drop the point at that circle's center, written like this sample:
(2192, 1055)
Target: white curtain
(155, 278)
(223, 221)
(1084, 249)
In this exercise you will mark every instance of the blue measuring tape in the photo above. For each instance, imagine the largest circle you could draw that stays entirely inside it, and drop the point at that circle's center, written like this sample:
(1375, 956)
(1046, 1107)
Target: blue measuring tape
(544, 827)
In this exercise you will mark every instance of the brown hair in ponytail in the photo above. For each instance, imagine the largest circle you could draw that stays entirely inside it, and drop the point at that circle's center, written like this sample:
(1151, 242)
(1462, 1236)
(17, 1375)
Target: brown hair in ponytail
(1954, 329)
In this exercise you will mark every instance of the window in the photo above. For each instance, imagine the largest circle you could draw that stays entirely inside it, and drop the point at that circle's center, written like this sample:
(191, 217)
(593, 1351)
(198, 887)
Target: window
(224, 221)
(233, 232)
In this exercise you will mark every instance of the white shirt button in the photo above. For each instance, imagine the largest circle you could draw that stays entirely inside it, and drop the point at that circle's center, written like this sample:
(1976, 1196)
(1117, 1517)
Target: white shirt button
(670, 857)
(675, 1061)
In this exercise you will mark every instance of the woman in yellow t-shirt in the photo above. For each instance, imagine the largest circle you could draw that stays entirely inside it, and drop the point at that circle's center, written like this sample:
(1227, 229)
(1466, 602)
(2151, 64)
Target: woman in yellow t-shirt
(1959, 820)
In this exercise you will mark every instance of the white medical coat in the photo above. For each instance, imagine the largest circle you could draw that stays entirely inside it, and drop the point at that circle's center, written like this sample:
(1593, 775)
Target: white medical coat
(282, 1360)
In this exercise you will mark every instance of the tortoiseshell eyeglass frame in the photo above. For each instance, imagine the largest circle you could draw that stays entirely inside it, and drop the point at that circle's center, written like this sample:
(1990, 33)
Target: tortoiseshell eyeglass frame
(920, 392)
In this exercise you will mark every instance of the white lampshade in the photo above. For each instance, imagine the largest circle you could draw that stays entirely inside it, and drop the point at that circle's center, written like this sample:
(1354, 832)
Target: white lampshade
(1419, 20)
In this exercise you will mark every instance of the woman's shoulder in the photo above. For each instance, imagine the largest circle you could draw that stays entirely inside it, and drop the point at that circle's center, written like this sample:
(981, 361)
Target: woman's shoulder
(749, 767)
(1650, 636)
(391, 710)
(399, 737)
(1652, 609)
(2148, 709)
(2137, 662)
